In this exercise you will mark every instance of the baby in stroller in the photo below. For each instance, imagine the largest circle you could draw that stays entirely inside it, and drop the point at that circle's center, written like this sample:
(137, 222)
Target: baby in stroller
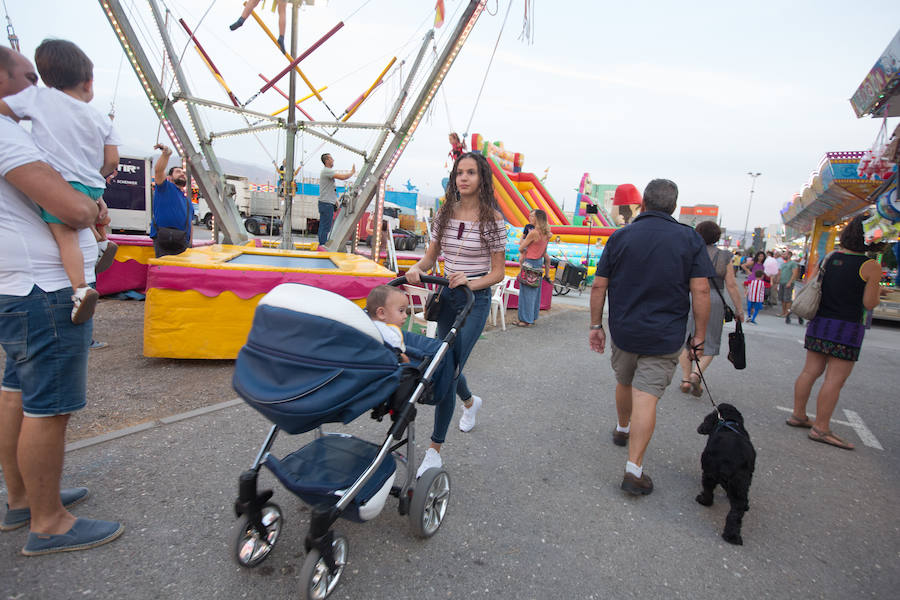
(386, 306)
(313, 357)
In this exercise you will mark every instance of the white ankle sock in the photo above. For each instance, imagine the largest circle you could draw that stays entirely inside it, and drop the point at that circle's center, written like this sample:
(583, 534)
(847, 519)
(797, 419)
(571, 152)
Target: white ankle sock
(635, 470)
(625, 429)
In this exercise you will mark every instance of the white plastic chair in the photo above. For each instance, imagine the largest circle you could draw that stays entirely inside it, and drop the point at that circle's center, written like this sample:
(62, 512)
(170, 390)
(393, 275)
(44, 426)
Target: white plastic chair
(497, 305)
(509, 289)
(500, 299)
(417, 313)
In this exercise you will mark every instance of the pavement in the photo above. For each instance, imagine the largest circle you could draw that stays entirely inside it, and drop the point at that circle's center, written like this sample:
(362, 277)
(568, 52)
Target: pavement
(535, 510)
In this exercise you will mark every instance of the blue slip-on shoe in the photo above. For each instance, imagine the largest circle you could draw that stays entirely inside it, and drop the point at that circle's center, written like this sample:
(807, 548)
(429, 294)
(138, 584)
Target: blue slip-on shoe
(85, 533)
(20, 517)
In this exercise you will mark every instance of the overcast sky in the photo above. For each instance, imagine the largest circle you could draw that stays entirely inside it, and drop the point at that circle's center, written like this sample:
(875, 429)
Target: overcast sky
(697, 92)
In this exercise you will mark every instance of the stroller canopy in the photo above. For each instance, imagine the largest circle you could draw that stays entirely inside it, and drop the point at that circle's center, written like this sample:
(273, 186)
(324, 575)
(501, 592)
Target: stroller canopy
(313, 357)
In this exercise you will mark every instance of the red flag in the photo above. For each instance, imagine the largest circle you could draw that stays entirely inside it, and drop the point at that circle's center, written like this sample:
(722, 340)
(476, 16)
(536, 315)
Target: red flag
(438, 14)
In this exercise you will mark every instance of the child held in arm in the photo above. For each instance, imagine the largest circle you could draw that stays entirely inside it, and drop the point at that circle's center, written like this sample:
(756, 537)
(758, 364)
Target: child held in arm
(386, 306)
(77, 141)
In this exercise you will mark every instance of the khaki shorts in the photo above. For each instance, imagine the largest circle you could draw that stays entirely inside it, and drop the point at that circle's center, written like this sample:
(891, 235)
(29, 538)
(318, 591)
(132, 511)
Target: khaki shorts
(648, 373)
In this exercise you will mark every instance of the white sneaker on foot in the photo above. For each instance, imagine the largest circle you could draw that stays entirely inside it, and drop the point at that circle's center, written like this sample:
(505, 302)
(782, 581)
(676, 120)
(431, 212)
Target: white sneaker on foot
(467, 420)
(84, 301)
(432, 460)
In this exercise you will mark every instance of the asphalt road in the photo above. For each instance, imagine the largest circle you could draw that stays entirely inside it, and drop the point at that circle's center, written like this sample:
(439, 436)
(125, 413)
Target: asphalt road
(535, 510)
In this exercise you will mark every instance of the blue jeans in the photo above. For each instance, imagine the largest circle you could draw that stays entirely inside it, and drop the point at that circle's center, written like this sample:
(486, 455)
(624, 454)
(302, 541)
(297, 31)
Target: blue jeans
(46, 354)
(326, 220)
(452, 301)
(530, 297)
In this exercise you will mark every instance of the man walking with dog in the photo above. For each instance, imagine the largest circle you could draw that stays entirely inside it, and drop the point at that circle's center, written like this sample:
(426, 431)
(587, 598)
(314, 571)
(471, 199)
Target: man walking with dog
(654, 270)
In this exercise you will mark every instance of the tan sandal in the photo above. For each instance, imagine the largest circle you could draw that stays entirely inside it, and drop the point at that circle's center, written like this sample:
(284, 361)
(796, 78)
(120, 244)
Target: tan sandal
(696, 390)
(793, 421)
(828, 437)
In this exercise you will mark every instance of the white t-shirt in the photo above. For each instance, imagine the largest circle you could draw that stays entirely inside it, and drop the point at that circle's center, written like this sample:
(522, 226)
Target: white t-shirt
(69, 132)
(391, 334)
(29, 255)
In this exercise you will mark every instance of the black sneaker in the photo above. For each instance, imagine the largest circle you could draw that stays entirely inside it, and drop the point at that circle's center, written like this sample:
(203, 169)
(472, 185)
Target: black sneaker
(787, 319)
(800, 320)
(637, 486)
(620, 438)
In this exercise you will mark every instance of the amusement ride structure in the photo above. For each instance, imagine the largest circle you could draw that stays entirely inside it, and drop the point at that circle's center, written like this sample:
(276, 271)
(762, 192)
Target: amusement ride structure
(180, 111)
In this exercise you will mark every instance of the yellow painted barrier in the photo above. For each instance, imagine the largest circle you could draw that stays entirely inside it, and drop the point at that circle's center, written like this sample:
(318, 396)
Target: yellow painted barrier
(200, 303)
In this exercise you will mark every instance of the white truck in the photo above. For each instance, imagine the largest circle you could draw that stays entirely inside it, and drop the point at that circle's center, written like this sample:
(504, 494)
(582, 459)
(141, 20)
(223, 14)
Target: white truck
(128, 196)
(261, 210)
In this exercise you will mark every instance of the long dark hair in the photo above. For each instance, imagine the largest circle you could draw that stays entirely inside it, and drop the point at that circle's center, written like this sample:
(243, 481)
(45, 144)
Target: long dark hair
(853, 237)
(487, 205)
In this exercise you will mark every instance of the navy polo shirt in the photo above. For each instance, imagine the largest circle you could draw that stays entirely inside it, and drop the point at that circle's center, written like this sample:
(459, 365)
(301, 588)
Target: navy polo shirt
(170, 208)
(649, 264)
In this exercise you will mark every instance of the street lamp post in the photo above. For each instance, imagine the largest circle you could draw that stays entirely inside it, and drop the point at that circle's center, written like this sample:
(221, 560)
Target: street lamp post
(749, 204)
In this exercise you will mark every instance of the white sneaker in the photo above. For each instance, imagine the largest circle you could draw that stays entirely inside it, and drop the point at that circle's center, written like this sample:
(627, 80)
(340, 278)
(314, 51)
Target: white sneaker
(432, 460)
(84, 301)
(467, 420)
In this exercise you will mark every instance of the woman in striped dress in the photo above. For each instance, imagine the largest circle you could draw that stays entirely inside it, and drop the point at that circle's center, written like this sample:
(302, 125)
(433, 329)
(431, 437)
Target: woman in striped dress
(471, 234)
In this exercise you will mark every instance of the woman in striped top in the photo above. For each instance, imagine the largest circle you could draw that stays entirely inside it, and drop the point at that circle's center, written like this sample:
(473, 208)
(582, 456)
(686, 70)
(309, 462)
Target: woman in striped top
(471, 234)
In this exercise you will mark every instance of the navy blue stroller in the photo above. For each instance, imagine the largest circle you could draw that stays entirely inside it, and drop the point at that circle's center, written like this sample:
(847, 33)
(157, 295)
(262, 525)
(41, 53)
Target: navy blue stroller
(313, 357)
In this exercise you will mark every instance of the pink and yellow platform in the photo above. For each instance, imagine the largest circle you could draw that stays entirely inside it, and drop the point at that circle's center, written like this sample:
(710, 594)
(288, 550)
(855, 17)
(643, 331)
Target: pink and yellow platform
(129, 269)
(200, 304)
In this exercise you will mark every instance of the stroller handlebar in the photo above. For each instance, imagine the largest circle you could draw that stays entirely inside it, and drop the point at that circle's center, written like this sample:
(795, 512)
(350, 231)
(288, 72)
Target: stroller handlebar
(443, 281)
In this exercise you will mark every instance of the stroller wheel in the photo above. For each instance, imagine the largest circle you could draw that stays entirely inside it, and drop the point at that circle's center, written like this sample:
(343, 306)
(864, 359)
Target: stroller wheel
(429, 502)
(316, 583)
(252, 547)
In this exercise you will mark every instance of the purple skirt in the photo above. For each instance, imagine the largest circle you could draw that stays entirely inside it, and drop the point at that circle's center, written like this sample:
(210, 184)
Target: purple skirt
(834, 337)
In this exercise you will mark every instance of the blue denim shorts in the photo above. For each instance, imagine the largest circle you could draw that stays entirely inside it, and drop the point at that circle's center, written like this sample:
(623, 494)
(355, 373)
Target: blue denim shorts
(46, 354)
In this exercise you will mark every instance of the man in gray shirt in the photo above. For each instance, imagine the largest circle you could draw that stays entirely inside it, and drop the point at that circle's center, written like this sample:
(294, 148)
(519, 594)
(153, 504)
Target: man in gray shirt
(328, 199)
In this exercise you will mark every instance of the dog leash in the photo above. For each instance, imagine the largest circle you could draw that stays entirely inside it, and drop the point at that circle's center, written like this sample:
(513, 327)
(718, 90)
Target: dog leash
(723, 422)
(696, 361)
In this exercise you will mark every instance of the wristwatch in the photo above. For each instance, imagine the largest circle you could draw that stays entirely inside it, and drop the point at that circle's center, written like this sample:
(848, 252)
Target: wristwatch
(596, 326)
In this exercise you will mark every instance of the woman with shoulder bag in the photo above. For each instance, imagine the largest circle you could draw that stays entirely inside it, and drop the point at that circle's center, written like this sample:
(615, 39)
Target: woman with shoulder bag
(724, 278)
(471, 233)
(834, 336)
(533, 256)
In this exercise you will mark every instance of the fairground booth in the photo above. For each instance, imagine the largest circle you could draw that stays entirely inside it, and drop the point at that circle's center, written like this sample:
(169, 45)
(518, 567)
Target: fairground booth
(845, 184)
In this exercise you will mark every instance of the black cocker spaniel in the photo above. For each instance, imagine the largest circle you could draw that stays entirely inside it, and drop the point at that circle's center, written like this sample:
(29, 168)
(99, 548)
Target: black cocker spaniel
(728, 460)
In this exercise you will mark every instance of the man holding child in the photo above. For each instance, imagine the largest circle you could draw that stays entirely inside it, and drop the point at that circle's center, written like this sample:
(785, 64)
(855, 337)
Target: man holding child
(45, 375)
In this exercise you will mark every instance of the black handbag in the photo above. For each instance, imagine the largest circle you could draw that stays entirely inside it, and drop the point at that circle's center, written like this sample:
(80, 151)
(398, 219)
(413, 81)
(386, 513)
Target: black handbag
(433, 306)
(170, 237)
(173, 237)
(737, 351)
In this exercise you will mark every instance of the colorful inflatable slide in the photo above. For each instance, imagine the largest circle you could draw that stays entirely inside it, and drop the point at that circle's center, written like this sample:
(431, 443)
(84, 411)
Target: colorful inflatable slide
(518, 193)
(589, 195)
